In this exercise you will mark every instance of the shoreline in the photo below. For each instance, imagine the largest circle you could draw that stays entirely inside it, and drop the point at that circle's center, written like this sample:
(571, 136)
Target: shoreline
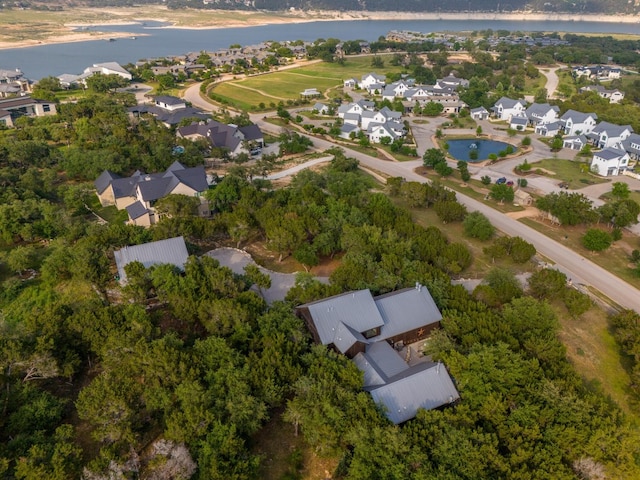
(298, 17)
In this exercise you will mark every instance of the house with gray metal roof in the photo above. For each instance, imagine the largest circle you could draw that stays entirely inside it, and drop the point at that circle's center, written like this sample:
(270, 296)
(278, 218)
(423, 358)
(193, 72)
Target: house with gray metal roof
(632, 146)
(171, 251)
(610, 161)
(139, 192)
(373, 331)
(505, 108)
(25, 106)
(607, 134)
(578, 123)
(539, 113)
(232, 138)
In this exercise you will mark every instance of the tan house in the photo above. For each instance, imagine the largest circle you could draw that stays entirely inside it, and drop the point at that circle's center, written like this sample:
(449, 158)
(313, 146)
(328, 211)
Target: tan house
(12, 108)
(139, 192)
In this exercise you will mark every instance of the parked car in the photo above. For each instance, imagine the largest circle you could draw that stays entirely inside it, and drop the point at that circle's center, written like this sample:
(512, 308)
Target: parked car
(564, 185)
(510, 183)
(501, 180)
(256, 151)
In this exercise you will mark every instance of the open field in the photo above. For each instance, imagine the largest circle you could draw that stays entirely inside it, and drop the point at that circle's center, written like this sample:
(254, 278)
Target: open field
(566, 171)
(248, 93)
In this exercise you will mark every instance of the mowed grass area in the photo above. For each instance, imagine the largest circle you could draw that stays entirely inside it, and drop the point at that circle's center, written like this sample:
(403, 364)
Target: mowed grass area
(568, 171)
(247, 93)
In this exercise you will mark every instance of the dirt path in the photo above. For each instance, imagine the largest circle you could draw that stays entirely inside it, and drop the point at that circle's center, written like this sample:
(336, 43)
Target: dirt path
(552, 81)
(237, 84)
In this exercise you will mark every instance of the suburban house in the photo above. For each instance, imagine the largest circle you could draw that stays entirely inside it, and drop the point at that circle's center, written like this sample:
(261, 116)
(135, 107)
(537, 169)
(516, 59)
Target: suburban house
(377, 334)
(576, 123)
(12, 82)
(539, 113)
(518, 123)
(350, 83)
(607, 134)
(632, 146)
(597, 72)
(610, 161)
(169, 110)
(452, 81)
(355, 107)
(479, 113)
(377, 131)
(347, 129)
(370, 79)
(614, 95)
(107, 68)
(548, 129)
(321, 108)
(575, 142)
(232, 138)
(13, 108)
(139, 192)
(310, 93)
(172, 251)
(505, 108)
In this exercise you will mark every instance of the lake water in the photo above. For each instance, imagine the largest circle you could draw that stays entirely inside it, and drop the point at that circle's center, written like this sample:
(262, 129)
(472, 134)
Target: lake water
(461, 148)
(152, 41)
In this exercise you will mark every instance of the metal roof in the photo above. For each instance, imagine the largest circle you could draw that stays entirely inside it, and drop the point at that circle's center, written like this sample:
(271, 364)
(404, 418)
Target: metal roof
(354, 309)
(386, 359)
(136, 210)
(426, 388)
(406, 310)
(372, 377)
(172, 251)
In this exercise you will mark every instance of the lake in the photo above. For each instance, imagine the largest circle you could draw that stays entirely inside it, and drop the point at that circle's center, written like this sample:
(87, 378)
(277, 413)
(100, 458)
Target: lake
(152, 41)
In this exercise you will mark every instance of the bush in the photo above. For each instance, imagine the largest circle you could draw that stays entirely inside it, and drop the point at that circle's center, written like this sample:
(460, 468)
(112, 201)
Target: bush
(547, 283)
(576, 302)
(450, 211)
(616, 234)
(596, 240)
(486, 180)
(522, 182)
(476, 225)
(526, 141)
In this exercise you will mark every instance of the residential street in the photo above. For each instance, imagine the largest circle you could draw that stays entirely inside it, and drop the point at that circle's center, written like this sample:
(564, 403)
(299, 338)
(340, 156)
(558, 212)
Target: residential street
(575, 266)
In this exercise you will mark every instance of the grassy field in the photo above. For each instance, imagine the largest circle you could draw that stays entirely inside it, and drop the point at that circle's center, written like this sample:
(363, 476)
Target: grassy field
(566, 171)
(248, 93)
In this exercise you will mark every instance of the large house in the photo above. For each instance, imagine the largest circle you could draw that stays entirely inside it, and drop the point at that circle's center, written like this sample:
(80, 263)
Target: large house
(607, 134)
(578, 123)
(13, 108)
(610, 161)
(232, 138)
(541, 113)
(12, 82)
(377, 334)
(372, 80)
(139, 192)
(599, 72)
(505, 108)
(172, 251)
(169, 110)
(106, 68)
(632, 146)
(613, 95)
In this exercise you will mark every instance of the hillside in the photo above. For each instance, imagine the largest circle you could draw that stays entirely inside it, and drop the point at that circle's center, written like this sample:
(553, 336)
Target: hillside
(578, 6)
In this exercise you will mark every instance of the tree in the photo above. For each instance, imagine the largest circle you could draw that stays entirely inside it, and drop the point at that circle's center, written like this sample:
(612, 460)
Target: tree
(22, 258)
(450, 211)
(596, 240)
(476, 225)
(104, 83)
(569, 208)
(256, 277)
(486, 180)
(306, 254)
(502, 192)
(432, 109)
(547, 283)
(504, 283)
(433, 156)
(576, 302)
(620, 190)
(443, 169)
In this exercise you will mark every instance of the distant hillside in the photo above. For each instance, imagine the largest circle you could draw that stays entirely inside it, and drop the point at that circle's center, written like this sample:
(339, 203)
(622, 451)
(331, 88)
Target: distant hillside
(566, 6)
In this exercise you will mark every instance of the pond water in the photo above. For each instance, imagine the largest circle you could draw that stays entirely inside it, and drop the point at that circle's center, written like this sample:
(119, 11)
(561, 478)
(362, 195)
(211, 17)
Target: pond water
(461, 149)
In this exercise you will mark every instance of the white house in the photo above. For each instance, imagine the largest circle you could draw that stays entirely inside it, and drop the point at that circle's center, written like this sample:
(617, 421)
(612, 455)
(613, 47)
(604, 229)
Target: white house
(169, 102)
(548, 129)
(614, 95)
(369, 79)
(575, 142)
(539, 113)
(505, 108)
(518, 123)
(632, 146)
(321, 108)
(355, 107)
(610, 161)
(347, 129)
(350, 83)
(576, 123)
(607, 134)
(378, 131)
(479, 113)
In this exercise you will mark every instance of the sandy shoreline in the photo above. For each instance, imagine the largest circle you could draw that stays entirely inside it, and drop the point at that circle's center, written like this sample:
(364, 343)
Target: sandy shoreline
(279, 18)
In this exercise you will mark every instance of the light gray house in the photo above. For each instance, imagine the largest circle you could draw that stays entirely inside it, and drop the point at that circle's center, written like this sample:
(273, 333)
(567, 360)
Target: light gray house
(576, 123)
(479, 113)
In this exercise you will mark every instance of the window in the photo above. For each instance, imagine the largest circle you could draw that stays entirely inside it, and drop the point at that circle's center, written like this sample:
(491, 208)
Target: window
(373, 332)
(46, 107)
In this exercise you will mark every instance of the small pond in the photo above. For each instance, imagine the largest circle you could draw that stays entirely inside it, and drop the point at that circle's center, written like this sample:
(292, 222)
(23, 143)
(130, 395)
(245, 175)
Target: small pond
(464, 148)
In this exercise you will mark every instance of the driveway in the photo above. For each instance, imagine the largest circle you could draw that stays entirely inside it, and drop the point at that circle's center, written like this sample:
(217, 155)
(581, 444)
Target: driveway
(237, 259)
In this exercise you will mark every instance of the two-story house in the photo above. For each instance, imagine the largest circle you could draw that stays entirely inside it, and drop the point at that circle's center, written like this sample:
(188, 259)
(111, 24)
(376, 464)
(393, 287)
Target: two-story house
(610, 161)
(505, 108)
(607, 134)
(578, 123)
(541, 113)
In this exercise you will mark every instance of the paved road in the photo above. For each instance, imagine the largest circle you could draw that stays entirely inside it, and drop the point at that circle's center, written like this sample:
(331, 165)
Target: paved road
(575, 266)
(552, 80)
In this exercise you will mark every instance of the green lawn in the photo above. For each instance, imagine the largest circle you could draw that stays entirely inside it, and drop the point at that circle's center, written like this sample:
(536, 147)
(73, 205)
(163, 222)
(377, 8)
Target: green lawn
(569, 171)
(248, 93)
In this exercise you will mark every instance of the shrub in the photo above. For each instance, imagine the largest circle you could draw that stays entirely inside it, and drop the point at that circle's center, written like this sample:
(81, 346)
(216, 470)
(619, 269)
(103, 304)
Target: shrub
(486, 180)
(522, 182)
(476, 225)
(526, 141)
(596, 240)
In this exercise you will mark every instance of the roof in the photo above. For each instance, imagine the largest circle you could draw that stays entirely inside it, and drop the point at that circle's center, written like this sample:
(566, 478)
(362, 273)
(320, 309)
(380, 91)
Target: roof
(169, 100)
(577, 117)
(611, 129)
(540, 109)
(608, 154)
(354, 309)
(406, 310)
(519, 121)
(104, 180)
(509, 102)
(479, 110)
(136, 210)
(172, 251)
(427, 388)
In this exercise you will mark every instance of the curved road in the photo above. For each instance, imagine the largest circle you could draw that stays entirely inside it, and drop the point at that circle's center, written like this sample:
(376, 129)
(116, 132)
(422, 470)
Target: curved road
(575, 266)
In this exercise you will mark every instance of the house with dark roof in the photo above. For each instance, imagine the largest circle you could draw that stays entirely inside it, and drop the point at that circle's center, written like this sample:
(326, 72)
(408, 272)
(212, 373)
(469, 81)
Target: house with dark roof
(139, 192)
(610, 161)
(578, 123)
(505, 108)
(171, 251)
(377, 333)
(232, 138)
(168, 110)
(607, 134)
(540, 113)
(13, 108)
(12, 82)
(632, 146)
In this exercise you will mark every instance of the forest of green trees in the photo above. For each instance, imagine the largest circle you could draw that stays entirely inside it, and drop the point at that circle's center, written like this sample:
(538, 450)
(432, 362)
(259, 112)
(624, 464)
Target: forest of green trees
(177, 372)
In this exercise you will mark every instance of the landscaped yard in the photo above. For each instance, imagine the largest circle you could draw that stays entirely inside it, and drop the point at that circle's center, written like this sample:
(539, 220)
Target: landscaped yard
(576, 174)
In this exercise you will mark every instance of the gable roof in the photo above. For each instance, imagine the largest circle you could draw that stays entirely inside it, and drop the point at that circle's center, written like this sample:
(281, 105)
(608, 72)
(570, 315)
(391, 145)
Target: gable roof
(136, 210)
(610, 153)
(506, 102)
(428, 388)
(104, 180)
(405, 310)
(171, 250)
(611, 129)
(577, 117)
